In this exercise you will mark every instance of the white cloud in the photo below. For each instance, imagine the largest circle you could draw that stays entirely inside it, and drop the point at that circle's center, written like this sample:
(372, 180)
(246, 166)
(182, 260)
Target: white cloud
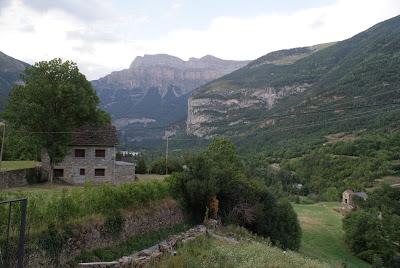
(99, 47)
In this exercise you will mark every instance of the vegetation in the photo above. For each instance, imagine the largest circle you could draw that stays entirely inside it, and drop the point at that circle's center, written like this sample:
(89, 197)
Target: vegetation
(141, 167)
(72, 204)
(323, 237)
(217, 174)
(128, 247)
(158, 165)
(249, 252)
(327, 169)
(14, 165)
(54, 99)
(372, 232)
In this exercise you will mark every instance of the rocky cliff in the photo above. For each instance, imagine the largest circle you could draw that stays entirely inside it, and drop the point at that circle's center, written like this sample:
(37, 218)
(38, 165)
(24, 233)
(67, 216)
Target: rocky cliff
(153, 91)
(331, 84)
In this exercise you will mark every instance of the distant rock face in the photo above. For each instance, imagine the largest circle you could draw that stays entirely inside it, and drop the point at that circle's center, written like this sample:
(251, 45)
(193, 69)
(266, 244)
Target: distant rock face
(10, 75)
(153, 92)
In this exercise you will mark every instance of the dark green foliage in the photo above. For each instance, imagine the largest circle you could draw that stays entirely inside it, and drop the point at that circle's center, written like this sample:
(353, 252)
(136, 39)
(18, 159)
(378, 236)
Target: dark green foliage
(158, 166)
(218, 172)
(114, 223)
(359, 71)
(53, 241)
(372, 232)
(55, 98)
(131, 245)
(141, 167)
(59, 208)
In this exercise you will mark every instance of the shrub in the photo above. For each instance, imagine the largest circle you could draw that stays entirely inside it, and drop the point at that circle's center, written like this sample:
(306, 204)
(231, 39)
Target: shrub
(217, 174)
(114, 223)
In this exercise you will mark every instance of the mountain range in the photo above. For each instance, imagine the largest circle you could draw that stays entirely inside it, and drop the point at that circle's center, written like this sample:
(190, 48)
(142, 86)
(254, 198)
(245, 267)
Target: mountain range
(152, 93)
(342, 86)
(10, 75)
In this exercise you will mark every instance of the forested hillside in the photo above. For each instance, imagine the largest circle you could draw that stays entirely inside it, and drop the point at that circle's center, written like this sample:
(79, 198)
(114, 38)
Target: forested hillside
(349, 85)
(10, 74)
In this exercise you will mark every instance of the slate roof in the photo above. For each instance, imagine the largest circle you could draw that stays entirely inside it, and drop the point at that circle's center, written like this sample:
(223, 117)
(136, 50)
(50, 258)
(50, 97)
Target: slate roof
(363, 195)
(95, 136)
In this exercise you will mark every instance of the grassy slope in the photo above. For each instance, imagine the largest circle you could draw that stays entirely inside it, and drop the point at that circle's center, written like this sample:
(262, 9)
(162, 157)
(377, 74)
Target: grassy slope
(322, 234)
(13, 165)
(210, 252)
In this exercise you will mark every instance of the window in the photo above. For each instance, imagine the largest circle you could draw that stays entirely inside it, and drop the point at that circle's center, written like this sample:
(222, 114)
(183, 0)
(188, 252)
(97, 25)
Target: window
(79, 152)
(100, 153)
(58, 173)
(82, 172)
(99, 172)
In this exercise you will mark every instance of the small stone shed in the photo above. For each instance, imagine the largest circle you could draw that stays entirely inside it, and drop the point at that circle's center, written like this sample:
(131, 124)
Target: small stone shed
(348, 198)
(91, 158)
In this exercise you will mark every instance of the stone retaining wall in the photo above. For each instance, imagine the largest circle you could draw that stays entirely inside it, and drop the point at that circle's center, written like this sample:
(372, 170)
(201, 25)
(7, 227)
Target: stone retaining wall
(14, 178)
(91, 235)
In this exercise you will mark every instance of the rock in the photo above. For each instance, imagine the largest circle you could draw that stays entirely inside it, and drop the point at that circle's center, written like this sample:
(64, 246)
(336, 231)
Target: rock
(144, 253)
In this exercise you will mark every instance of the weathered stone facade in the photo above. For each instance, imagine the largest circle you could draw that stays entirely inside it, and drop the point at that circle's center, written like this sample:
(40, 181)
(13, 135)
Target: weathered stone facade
(91, 158)
(92, 234)
(348, 199)
(13, 178)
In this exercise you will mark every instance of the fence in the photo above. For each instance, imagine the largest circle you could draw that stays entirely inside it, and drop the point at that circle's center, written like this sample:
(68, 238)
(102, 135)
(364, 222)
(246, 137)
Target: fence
(12, 236)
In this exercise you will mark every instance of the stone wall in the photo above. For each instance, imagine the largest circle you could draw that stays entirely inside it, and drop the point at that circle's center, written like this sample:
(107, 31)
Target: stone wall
(72, 165)
(14, 178)
(124, 172)
(92, 235)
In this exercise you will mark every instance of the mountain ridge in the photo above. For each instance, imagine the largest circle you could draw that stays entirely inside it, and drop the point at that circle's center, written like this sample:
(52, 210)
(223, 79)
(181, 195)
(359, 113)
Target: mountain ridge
(153, 91)
(347, 71)
(11, 70)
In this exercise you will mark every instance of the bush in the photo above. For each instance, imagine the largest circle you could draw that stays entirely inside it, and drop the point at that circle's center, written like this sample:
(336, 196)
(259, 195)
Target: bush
(218, 175)
(114, 223)
(57, 208)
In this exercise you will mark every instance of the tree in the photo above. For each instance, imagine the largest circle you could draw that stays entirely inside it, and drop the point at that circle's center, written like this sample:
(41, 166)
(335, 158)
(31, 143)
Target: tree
(216, 176)
(54, 99)
(141, 167)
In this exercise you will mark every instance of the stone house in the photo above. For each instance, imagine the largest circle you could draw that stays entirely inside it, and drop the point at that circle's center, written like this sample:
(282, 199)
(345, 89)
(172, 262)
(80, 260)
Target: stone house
(91, 158)
(348, 198)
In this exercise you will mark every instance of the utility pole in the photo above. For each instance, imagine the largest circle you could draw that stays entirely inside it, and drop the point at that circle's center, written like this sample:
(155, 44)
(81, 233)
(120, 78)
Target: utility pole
(2, 143)
(166, 157)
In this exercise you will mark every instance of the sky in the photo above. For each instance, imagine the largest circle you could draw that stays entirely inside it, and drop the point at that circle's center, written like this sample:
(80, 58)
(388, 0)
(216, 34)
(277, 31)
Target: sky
(102, 36)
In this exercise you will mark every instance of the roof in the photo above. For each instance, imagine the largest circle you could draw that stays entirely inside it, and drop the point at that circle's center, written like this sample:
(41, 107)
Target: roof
(361, 194)
(95, 136)
(122, 163)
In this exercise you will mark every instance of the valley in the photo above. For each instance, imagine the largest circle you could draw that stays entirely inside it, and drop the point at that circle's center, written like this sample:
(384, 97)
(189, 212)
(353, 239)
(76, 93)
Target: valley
(291, 159)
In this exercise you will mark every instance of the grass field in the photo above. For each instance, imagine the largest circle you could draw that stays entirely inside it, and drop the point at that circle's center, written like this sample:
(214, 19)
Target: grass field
(147, 177)
(13, 165)
(323, 235)
(211, 252)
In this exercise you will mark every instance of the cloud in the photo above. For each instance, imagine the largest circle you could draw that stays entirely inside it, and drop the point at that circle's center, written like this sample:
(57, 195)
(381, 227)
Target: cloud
(42, 30)
(84, 10)
(89, 35)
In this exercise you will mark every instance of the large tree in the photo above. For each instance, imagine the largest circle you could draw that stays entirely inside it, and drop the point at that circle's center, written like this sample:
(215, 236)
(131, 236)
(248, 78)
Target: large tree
(54, 99)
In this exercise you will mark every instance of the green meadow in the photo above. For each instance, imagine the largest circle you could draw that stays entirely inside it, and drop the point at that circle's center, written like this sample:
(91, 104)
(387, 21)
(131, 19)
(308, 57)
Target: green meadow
(323, 235)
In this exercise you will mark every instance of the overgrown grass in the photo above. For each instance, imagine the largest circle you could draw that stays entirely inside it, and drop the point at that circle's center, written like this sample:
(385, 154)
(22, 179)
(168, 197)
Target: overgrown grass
(14, 165)
(323, 235)
(210, 252)
(131, 245)
(59, 207)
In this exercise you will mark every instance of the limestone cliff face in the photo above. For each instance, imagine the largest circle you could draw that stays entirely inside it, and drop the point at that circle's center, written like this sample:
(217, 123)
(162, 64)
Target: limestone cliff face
(228, 107)
(241, 101)
(153, 91)
(163, 71)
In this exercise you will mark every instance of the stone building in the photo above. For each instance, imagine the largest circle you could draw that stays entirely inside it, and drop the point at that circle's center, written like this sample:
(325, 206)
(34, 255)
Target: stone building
(348, 198)
(91, 158)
